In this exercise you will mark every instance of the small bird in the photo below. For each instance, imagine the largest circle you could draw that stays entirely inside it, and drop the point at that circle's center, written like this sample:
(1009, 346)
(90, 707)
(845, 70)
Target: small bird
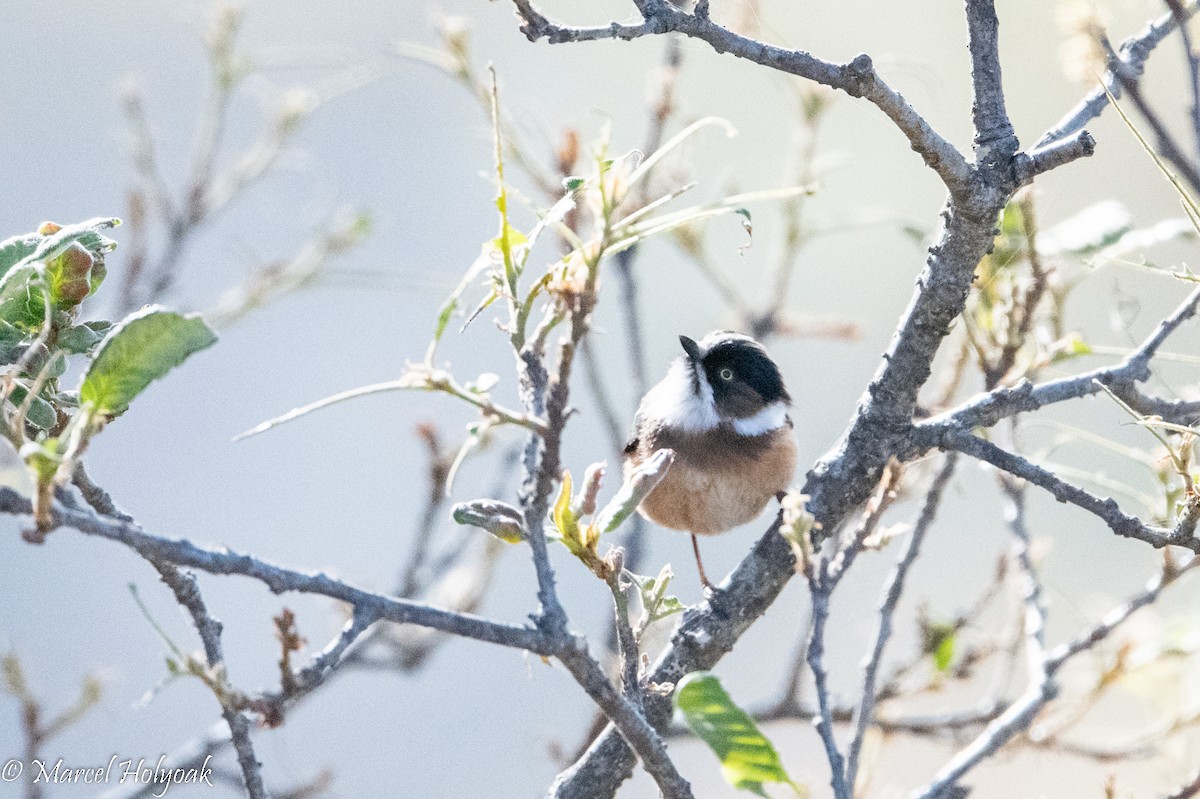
(723, 408)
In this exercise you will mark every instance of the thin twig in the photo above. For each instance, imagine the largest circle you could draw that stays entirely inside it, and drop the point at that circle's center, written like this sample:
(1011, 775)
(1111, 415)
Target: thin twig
(280, 580)
(187, 594)
(892, 592)
(1017, 717)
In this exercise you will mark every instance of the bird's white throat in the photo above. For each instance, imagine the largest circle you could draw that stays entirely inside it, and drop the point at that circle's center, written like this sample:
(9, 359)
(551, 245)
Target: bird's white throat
(675, 403)
(772, 417)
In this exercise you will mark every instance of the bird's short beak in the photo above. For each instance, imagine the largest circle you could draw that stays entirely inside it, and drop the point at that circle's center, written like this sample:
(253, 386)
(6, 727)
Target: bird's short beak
(692, 349)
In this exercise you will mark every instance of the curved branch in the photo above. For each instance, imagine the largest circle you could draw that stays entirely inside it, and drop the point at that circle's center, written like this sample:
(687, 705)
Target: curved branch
(857, 78)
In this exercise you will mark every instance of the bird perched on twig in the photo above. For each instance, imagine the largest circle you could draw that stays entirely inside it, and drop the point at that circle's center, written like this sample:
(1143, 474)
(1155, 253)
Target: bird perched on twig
(723, 409)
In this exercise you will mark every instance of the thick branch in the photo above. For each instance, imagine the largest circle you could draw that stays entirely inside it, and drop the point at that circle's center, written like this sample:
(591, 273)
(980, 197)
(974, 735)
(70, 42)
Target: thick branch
(995, 139)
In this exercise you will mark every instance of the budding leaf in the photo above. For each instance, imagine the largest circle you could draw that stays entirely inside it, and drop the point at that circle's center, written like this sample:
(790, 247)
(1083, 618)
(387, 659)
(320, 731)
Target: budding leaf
(564, 519)
(498, 518)
(939, 643)
(748, 760)
(141, 349)
(944, 654)
(1070, 347)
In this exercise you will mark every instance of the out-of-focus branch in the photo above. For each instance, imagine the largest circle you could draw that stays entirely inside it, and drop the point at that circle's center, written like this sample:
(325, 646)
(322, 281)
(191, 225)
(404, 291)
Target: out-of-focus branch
(893, 590)
(210, 187)
(1018, 716)
(1167, 147)
(301, 269)
(1133, 54)
(1188, 790)
(38, 729)
(306, 680)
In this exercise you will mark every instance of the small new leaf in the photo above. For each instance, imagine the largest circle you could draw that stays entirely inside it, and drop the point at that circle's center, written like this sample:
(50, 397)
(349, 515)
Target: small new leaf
(498, 518)
(564, 519)
(938, 642)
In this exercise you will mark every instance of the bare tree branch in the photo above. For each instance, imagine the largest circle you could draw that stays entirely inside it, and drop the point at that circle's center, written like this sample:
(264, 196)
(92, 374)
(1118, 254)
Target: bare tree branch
(1133, 52)
(857, 77)
(987, 409)
(1121, 523)
(1018, 716)
(864, 713)
(281, 580)
(187, 593)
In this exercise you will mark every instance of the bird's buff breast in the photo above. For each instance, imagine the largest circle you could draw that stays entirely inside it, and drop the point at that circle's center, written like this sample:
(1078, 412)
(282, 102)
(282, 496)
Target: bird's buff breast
(710, 492)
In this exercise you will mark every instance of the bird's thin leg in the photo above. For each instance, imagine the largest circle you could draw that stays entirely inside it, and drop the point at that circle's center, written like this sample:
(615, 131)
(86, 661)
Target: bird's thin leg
(700, 564)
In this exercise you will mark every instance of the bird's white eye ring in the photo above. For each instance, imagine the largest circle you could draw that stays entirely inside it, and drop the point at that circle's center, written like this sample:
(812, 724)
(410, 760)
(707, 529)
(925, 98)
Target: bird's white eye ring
(726, 374)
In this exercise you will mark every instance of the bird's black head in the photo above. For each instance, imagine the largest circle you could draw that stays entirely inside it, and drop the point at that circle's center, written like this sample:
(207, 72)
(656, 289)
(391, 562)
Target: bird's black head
(743, 378)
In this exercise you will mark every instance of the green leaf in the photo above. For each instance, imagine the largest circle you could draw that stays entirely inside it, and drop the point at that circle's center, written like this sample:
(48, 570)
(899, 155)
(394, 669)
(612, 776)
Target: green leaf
(748, 760)
(938, 642)
(41, 413)
(1070, 347)
(11, 343)
(17, 249)
(944, 654)
(86, 234)
(22, 298)
(80, 339)
(142, 348)
(24, 259)
(42, 458)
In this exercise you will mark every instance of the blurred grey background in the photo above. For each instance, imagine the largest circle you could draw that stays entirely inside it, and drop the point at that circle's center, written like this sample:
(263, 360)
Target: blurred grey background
(341, 490)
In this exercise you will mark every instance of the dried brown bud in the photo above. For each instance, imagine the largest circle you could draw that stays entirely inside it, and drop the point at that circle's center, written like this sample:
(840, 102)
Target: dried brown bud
(568, 152)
